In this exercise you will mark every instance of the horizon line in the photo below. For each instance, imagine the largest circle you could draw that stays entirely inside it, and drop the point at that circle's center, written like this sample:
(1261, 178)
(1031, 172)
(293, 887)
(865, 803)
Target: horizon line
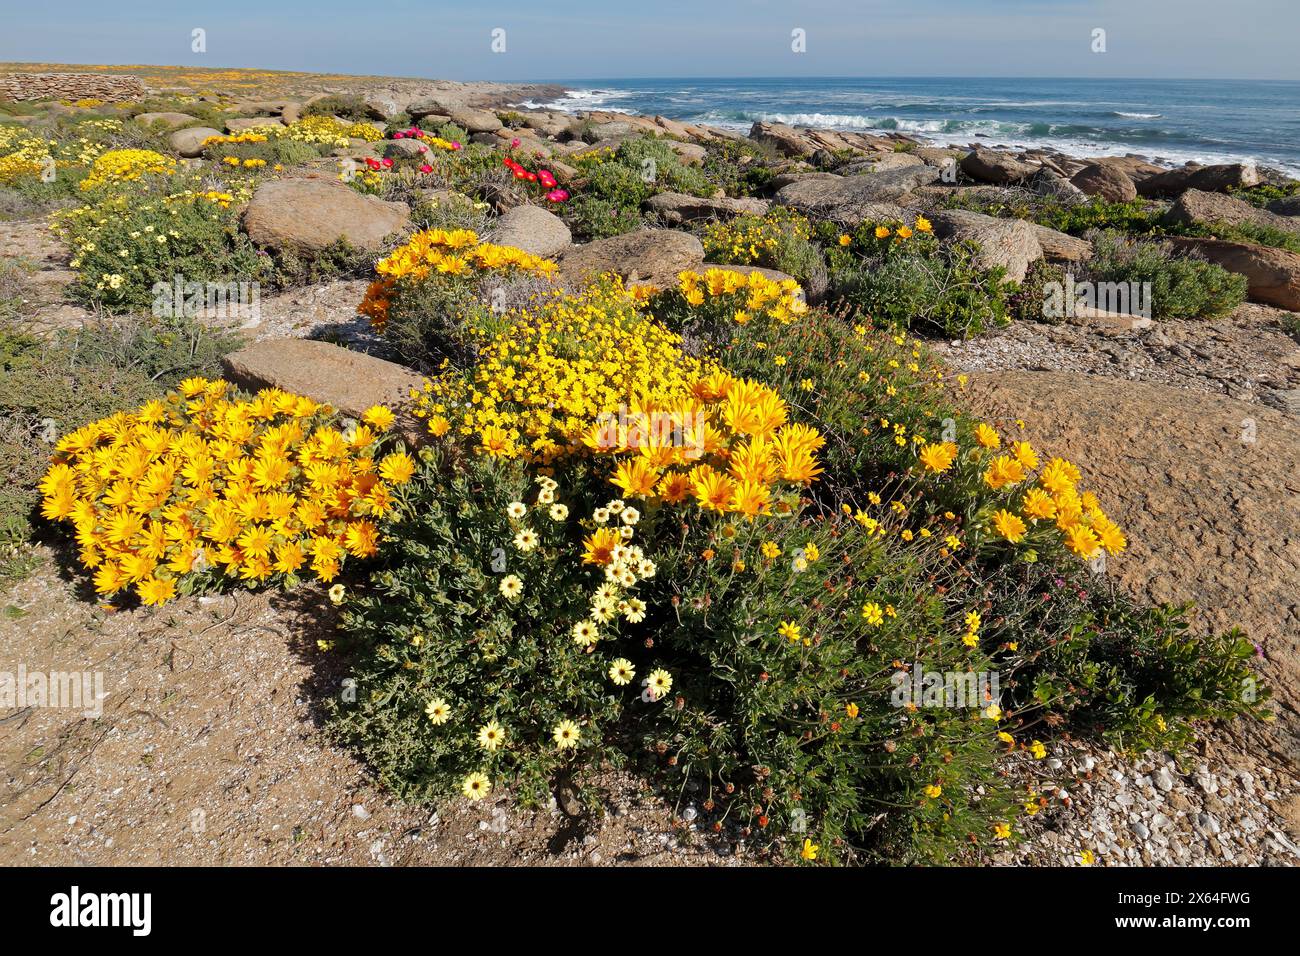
(647, 76)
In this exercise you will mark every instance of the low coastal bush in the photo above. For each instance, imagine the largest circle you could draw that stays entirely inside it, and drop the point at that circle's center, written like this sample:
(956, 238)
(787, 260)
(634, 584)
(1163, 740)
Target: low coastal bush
(616, 182)
(739, 167)
(123, 243)
(1252, 232)
(472, 672)
(434, 290)
(1182, 287)
(1265, 193)
(780, 239)
(899, 275)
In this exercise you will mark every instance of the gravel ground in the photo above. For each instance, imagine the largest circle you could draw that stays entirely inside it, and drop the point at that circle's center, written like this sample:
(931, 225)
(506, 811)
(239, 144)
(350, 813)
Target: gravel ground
(1247, 355)
(209, 751)
(1154, 810)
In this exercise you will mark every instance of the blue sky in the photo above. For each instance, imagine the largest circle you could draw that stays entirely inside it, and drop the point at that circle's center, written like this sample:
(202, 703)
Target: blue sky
(673, 38)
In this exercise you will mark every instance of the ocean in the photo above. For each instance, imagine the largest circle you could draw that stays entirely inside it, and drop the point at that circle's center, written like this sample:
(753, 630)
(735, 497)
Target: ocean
(1173, 121)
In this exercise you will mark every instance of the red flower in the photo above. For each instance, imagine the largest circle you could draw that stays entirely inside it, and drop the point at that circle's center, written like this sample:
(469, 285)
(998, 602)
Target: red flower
(426, 168)
(387, 162)
(558, 195)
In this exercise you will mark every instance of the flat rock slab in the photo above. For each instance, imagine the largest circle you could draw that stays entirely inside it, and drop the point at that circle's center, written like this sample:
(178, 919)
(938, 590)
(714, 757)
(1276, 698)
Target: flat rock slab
(313, 214)
(1207, 489)
(1199, 208)
(850, 200)
(677, 208)
(349, 381)
(646, 255)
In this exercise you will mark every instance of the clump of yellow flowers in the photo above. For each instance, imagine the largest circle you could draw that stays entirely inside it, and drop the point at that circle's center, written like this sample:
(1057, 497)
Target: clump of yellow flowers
(590, 374)
(1021, 507)
(745, 296)
(436, 253)
(206, 483)
(126, 165)
(25, 155)
(751, 240)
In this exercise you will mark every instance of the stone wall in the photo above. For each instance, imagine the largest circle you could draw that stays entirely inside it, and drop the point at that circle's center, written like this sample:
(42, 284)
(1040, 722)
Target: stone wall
(70, 86)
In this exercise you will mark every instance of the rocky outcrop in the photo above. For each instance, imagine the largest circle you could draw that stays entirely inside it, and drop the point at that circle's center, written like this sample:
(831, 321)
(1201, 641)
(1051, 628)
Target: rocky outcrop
(1197, 208)
(996, 167)
(1218, 178)
(532, 229)
(1061, 247)
(189, 142)
(1047, 182)
(170, 120)
(646, 255)
(1010, 243)
(1106, 182)
(312, 214)
(1289, 206)
(879, 163)
(676, 208)
(803, 143)
(476, 121)
(786, 140)
(1273, 274)
(850, 200)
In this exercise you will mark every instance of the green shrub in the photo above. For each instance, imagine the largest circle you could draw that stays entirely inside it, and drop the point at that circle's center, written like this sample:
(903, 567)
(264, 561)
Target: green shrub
(780, 239)
(288, 268)
(788, 720)
(1265, 193)
(347, 106)
(1027, 302)
(608, 200)
(1134, 216)
(1180, 287)
(291, 152)
(913, 282)
(124, 243)
(435, 625)
(1109, 668)
(1247, 232)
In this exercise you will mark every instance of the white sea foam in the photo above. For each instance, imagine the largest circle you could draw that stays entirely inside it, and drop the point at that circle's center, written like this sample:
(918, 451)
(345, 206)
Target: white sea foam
(1020, 135)
(576, 101)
